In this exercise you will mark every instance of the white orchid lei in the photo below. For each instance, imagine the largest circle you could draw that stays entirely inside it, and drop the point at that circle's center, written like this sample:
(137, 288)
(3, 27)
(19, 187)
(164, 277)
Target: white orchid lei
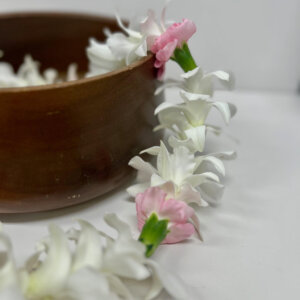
(98, 267)
(88, 264)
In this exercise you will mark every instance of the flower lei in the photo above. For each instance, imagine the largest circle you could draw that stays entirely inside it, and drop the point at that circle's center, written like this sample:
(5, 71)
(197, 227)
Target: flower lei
(87, 263)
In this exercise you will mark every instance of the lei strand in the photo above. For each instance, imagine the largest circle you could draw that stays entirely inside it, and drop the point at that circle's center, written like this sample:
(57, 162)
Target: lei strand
(87, 263)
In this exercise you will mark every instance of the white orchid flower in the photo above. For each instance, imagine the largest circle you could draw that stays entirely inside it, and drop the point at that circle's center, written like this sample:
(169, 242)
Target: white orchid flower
(111, 267)
(162, 279)
(78, 278)
(124, 256)
(51, 274)
(195, 84)
(88, 284)
(117, 51)
(97, 267)
(129, 47)
(124, 259)
(121, 49)
(180, 174)
(187, 121)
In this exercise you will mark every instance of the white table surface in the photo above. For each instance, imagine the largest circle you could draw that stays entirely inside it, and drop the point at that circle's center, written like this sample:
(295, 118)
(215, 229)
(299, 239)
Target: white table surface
(252, 239)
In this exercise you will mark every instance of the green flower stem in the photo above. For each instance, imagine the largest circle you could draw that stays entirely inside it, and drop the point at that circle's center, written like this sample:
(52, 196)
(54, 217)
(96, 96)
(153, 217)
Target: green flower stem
(153, 233)
(184, 58)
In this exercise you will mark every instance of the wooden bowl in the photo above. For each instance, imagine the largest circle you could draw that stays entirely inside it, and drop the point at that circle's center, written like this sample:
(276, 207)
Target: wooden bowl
(67, 143)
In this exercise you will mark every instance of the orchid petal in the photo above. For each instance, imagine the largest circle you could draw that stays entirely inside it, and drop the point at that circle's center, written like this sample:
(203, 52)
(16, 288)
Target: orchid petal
(125, 257)
(171, 283)
(216, 162)
(163, 16)
(197, 135)
(183, 164)
(168, 83)
(196, 111)
(119, 45)
(101, 59)
(121, 227)
(163, 162)
(123, 47)
(193, 96)
(151, 151)
(233, 109)
(137, 188)
(212, 192)
(88, 251)
(149, 25)
(130, 32)
(223, 108)
(175, 143)
(197, 179)
(157, 180)
(163, 106)
(150, 28)
(225, 155)
(52, 274)
(214, 129)
(87, 284)
(140, 165)
(155, 289)
(220, 75)
(141, 49)
(174, 118)
(119, 287)
(196, 74)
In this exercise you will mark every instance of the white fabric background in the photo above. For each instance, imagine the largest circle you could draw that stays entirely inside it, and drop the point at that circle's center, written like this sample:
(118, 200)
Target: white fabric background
(252, 239)
(259, 40)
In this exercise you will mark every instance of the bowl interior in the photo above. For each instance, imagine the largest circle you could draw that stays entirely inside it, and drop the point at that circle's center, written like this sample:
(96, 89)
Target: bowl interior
(54, 39)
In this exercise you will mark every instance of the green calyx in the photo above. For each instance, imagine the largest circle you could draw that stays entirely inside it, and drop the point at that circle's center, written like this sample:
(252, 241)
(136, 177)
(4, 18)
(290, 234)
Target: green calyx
(184, 58)
(153, 233)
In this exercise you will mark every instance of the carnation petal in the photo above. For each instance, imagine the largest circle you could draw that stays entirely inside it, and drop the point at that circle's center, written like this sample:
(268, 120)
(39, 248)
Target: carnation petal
(178, 233)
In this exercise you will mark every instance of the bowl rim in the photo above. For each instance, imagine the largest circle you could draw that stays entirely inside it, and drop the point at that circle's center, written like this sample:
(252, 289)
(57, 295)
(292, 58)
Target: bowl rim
(80, 81)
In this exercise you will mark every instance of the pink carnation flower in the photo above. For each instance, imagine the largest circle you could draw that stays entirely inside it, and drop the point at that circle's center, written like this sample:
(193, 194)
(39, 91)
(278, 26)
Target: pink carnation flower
(176, 212)
(174, 37)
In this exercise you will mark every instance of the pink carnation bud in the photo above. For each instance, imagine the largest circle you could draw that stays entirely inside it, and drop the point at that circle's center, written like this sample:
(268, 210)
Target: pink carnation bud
(178, 213)
(174, 37)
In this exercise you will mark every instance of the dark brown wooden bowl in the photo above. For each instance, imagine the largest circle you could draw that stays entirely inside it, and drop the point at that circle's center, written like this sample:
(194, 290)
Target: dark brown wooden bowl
(67, 143)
